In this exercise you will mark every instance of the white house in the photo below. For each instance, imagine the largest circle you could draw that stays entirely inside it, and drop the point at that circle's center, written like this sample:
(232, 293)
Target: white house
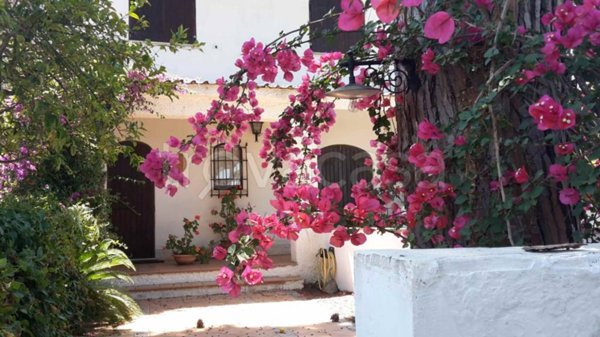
(223, 26)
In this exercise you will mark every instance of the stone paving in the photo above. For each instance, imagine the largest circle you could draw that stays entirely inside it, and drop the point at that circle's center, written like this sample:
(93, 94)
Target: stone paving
(276, 313)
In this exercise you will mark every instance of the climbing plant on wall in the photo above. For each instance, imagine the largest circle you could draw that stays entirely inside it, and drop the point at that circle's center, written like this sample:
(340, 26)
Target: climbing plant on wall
(498, 146)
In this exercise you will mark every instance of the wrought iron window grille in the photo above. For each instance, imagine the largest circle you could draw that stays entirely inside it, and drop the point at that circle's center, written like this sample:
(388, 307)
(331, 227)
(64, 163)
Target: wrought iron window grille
(229, 170)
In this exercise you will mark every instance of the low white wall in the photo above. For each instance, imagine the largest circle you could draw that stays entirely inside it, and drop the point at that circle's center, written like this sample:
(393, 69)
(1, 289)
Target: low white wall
(344, 257)
(304, 252)
(500, 292)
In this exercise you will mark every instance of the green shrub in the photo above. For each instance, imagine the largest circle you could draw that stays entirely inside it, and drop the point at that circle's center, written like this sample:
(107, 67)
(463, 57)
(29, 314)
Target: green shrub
(54, 267)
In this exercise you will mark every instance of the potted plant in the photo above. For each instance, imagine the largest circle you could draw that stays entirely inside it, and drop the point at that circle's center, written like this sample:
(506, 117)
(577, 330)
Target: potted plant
(184, 251)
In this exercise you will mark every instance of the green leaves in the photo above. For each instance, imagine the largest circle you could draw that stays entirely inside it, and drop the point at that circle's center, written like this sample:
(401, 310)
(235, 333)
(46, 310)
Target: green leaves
(489, 54)
(67, 64)
(54, 265)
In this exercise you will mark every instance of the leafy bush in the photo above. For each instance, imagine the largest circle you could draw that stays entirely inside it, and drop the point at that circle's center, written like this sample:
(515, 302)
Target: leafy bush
(53, 270)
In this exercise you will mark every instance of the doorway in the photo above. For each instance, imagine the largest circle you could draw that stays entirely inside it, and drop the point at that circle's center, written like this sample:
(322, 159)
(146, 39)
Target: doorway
(133, 215)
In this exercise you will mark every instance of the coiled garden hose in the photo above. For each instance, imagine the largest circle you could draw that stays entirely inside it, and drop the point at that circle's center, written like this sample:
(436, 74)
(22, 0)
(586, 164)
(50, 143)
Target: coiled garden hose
(327, 266)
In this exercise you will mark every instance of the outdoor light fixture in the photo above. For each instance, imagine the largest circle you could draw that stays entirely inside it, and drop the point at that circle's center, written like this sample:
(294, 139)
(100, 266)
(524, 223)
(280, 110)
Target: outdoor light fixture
(256, 129)
(402, 78)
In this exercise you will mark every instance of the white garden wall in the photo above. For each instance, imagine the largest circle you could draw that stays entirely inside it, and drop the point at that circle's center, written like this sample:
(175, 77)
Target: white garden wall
(483, 292)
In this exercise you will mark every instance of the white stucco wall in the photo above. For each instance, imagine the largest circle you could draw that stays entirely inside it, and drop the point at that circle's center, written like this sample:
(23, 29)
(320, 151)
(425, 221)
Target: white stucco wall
(224, 25)
(195, 198)
(351, 128)
(345, 257)
(483, 292)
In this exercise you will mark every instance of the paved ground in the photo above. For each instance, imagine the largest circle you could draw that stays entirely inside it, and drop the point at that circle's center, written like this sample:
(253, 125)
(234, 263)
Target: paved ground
(278, 314)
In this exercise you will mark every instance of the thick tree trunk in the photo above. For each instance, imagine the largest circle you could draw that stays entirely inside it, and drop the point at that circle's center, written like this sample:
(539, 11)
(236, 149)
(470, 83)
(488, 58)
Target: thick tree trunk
(443, 96)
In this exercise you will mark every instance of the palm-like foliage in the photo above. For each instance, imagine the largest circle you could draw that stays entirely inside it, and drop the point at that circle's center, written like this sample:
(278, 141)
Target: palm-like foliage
(101, 266)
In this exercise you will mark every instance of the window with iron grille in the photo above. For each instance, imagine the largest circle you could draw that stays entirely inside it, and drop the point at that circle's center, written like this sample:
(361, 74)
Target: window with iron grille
(164, 18)
(229, 170)
(342, 41)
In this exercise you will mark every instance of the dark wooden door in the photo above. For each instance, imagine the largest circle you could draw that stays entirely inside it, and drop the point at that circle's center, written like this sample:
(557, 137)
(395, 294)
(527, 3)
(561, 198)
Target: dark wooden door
(133, 212)
(345, 165)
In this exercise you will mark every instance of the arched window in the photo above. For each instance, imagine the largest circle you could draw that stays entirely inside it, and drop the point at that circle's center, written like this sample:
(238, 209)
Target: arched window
(344, 165)
(229, 170)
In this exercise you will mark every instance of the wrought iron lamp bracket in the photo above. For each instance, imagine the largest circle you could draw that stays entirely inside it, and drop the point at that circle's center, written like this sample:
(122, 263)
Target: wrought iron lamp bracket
(397, 78)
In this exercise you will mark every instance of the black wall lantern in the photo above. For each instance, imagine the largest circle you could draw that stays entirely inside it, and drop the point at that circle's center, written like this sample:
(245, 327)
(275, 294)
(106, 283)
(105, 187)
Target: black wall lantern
(401, 77)
(256, 129)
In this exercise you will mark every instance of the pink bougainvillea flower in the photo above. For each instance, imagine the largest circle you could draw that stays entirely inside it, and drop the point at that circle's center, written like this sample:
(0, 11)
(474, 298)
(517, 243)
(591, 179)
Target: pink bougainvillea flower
(430, 221)
(235, 290)
(565, 14)
(545, 112)
(567, 119)
(547, 18)
(416, 155)
(595, 40)
(352, 17)
(339, 237)
(521, 175)
(437, 203)
(358, 239)
(574, 37)
(171, 190)
(173, 142)
(427, 63)
(219, 253)
(461, 221)
(442, 222)
(332, 192)
(386, 10)
(548, 114)
(252, 276)
(558, 172)
(434, 163)
(437, 239)
(224, 278)
(440, 26)
(428, 131)
(460, 141)
(454, 232)
(411, 3)
(525, 77)
(302, 219)
(161, 165)
(569, 196)
(367, 204)
(564, 149)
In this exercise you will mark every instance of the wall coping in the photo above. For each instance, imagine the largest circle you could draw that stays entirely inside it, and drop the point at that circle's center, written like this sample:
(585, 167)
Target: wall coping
(467, 259)
(483, 292)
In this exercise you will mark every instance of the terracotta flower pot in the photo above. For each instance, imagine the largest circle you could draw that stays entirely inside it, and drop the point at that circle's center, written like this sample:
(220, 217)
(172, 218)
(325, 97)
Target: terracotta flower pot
(184, 259)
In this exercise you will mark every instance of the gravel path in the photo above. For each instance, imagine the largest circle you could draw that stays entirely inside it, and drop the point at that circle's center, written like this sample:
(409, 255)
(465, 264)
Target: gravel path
(276, 313)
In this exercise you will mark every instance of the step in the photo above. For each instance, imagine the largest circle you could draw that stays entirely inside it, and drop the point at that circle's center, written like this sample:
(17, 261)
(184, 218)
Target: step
(204, 274)
(203, 288)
